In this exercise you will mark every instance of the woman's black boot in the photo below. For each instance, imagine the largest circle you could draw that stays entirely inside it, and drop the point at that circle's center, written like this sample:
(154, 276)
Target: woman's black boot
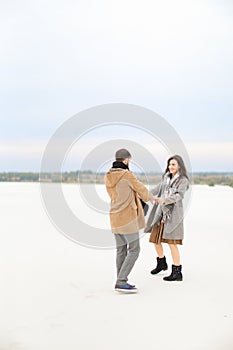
(176, 274)
(161, 265)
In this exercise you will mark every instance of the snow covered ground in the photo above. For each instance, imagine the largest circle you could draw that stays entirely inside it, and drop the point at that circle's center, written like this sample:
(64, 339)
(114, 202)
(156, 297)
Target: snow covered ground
(56, 294)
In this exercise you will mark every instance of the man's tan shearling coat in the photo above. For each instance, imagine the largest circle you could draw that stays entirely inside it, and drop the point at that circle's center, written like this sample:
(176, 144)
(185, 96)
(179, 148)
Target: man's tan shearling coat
(126, 212)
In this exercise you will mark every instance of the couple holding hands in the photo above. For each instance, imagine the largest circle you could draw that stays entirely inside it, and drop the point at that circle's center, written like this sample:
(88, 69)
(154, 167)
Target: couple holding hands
(165, 222)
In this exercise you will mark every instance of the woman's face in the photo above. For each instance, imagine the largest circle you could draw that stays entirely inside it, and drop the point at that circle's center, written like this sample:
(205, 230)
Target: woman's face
(173, 166)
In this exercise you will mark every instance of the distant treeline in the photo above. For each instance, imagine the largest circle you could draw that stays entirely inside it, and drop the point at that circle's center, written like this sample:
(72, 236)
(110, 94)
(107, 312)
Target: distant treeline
(88, 176)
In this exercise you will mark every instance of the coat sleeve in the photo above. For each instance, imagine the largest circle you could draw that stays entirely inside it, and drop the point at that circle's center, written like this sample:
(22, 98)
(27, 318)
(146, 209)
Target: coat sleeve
(139, 187)
(178, 192)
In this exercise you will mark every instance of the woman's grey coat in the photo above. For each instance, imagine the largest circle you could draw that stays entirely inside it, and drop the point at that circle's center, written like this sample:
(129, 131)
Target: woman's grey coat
(172, 208)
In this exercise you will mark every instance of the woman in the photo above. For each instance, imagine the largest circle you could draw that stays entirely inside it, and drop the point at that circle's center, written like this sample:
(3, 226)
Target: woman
(166, 219)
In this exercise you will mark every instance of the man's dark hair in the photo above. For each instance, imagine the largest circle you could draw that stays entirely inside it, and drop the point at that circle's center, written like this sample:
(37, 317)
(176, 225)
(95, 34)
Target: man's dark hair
(122, 154)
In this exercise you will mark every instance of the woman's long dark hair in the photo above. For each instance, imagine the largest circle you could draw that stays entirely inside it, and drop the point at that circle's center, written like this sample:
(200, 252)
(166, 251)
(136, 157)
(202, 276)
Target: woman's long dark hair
(182, 169)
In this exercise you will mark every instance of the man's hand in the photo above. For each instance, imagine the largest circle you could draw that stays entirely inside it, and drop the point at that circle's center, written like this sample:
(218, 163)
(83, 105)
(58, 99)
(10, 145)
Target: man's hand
(153, 200)
(159, 200)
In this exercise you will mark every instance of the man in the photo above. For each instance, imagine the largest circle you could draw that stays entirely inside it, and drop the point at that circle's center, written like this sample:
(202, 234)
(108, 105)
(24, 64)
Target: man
(126, 216)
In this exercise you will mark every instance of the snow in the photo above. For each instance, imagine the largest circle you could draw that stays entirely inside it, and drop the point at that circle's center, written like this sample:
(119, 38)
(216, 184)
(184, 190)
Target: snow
(57, 294)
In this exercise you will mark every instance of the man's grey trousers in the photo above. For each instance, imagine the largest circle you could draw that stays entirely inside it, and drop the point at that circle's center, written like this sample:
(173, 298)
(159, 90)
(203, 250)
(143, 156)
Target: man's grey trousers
(128, 249)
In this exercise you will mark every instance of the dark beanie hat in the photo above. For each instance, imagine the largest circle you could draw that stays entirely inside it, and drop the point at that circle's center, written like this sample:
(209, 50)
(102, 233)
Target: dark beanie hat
(122, 154)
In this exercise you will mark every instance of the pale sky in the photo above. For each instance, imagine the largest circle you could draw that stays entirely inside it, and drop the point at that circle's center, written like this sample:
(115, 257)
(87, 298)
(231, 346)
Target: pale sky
(60, 57)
